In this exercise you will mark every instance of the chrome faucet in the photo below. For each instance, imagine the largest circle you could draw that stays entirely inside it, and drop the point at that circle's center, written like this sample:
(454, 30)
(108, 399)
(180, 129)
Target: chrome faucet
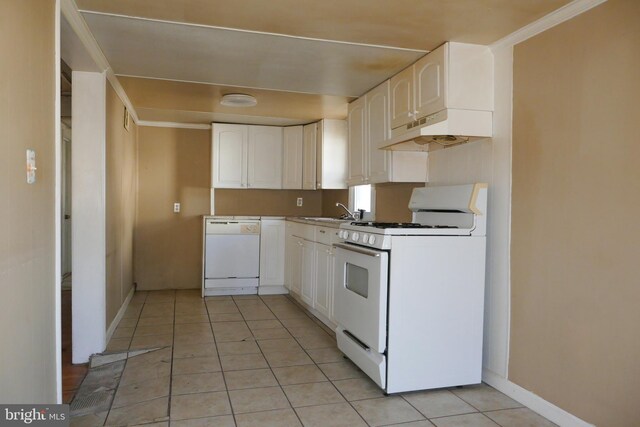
(349, 214)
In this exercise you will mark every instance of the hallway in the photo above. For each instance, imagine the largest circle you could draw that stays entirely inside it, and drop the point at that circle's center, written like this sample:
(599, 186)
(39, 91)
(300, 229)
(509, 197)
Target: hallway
(257, 361)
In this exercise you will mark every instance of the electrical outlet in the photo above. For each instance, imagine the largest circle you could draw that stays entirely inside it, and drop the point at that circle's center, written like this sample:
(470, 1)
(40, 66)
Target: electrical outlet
(299, 201)
(176, 207)
(31, 166)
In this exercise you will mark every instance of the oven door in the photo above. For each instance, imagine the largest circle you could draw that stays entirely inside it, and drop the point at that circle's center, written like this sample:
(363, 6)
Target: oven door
(360, 294)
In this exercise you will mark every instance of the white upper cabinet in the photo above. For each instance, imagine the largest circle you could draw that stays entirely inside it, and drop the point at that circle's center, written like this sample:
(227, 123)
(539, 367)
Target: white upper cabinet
(402, 93)
(309, 155)
(325, 155)
(357, 134)
(430, 83)
(453, 76)
(378, 132)
(229, 156)
(292, 158)
(265, 157)
(369, 129)
(331, 154)
(246, 156)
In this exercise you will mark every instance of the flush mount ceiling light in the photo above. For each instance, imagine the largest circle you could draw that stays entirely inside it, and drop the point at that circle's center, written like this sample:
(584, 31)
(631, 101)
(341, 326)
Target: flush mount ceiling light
(238, 100)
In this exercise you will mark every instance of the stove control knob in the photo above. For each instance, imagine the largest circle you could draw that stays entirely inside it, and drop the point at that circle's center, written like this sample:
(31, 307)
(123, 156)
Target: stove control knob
(365, 238)
(345, 235)
(372, 239)
(340, 234)
(355, 236)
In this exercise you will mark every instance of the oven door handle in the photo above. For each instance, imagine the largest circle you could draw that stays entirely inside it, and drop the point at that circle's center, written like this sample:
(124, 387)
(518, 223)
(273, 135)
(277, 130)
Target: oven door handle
(357, 249)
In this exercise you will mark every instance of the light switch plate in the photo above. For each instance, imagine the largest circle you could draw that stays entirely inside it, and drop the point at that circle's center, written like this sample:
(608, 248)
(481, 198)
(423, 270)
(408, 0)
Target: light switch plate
(31, 166)
(176, 207)
(299, 202)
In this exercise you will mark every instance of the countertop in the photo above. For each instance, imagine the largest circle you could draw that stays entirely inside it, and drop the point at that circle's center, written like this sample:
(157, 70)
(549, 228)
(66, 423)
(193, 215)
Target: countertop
(304, 220)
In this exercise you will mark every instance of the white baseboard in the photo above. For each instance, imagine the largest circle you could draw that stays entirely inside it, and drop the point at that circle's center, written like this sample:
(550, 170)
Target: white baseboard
(272, 290)
(533, 401)
(116, 320)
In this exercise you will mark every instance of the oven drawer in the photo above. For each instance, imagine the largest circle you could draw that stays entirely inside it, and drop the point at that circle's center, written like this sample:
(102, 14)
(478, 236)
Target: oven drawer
(370, 362)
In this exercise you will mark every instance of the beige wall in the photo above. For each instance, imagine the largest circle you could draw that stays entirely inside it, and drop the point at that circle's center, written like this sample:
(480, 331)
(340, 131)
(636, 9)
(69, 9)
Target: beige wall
(267, 202)
(27, 222)
(329, 200)
(173, 166)
(121, 146)
(392, 201)
(576, 198)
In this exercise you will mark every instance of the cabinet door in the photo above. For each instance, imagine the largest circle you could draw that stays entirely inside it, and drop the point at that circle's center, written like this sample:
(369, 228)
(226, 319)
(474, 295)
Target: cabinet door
(430, 79)
(229, 156)
(378, 132)
(309, 155)
(308, 271)
(402, 103)
(272, 247)
(292, 158)
(323, 279)
(295, 259)
(265, 157)
(356, 141)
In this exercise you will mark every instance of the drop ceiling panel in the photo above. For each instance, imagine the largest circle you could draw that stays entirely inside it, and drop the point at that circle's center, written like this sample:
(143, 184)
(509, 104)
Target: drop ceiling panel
(174, 51)
(417, 24)
(196, 97)
(199, 117)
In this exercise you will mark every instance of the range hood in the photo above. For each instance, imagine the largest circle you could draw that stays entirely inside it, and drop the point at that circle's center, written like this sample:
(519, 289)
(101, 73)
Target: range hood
(445, 128)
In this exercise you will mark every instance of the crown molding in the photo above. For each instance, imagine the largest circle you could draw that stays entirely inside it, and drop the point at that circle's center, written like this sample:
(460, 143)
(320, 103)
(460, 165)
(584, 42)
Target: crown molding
(70, 11)
(177, 125)
(554, 18)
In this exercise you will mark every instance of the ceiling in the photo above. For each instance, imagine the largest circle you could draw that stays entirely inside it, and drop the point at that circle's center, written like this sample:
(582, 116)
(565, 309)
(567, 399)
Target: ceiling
(302, 59)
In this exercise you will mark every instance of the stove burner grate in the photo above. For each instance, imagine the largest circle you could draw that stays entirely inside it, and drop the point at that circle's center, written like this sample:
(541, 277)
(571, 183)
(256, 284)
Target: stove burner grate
(397, 225)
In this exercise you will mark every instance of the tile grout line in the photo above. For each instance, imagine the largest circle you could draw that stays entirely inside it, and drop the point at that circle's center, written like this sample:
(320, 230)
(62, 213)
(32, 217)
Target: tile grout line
(125, 364)
(173, 347)
(269, 364)
(215, 343)
(310, 315)
(318, 367)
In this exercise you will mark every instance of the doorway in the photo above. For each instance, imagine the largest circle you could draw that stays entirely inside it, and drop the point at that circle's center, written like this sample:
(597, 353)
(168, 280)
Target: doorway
(72, 375)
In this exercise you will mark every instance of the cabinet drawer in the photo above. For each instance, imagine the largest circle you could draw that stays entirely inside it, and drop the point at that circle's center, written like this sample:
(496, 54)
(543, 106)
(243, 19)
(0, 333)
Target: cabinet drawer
(298, 229)
(327, 235)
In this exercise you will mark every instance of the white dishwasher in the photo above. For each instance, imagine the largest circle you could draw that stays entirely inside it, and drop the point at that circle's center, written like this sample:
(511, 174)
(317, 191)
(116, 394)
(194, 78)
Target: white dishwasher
(231, 257)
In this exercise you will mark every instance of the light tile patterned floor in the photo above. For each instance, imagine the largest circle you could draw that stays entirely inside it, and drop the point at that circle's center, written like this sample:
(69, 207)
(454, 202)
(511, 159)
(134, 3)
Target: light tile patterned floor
(263, 361)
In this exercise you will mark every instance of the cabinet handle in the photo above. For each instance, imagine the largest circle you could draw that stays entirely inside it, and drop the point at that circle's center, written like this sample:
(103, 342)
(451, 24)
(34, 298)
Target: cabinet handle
(322, 231)
(300, 243)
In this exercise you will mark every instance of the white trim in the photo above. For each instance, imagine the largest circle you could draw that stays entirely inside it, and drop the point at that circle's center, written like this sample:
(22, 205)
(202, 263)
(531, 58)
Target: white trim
(240, 30)
(58, 209)
(123, 308)
(272, 290)
(174, 125)
(70, 11)
(554, 18)
(136, 76)
(533, 401)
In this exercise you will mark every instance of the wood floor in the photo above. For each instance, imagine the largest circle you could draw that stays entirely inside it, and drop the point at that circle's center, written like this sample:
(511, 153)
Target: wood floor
(72, 375)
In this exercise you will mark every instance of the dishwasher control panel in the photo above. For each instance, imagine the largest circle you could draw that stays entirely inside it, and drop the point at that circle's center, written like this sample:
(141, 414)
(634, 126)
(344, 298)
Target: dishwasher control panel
(232, 227)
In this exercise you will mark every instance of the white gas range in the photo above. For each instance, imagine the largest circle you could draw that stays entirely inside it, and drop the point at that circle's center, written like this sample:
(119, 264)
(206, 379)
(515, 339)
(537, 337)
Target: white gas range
(409, 297)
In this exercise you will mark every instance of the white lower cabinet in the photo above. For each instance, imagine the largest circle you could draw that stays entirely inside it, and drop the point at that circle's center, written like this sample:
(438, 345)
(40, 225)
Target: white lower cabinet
(272, 256)
(308, 271)
(309, 267)
(323, 295)
(292, 264)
